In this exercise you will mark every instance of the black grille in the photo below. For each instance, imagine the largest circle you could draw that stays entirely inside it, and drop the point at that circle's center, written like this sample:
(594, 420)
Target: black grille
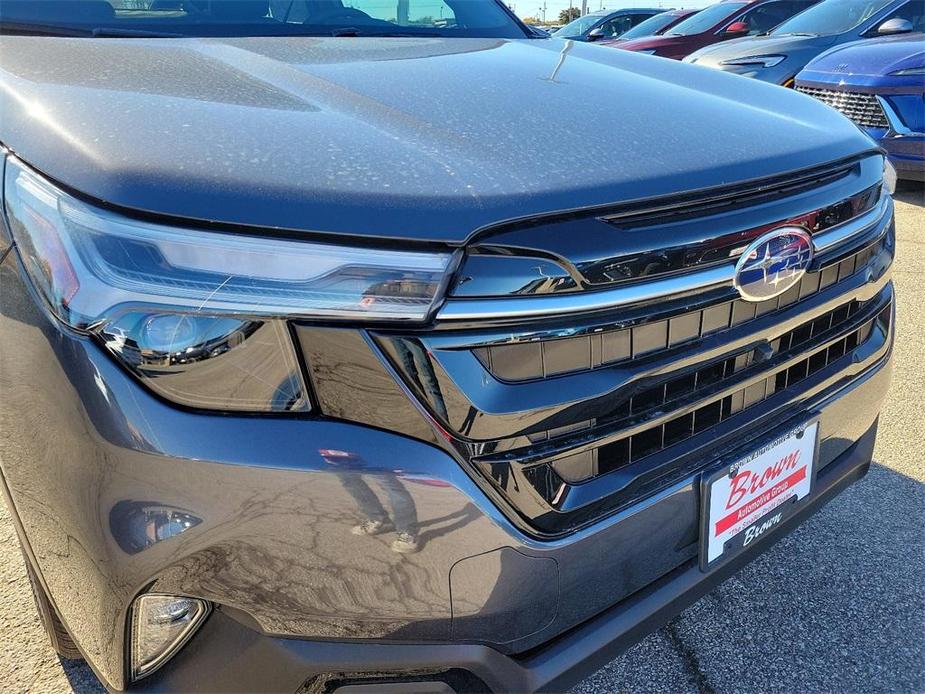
(863, 109)
(651, 402)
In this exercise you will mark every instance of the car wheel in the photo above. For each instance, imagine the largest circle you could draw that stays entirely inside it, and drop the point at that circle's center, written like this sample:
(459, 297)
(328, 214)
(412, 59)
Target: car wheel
(60, 640)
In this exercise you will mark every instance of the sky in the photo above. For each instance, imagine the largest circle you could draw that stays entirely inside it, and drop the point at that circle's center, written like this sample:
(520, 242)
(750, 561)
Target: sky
(533, 8)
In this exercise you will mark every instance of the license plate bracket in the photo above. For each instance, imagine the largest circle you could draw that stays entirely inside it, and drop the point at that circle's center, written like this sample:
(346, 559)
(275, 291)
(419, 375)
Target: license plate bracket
(745, 499)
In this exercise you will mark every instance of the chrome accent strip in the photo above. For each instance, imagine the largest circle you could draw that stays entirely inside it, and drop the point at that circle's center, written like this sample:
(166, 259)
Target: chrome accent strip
(897, 127)
(517, 307)
(701, 280)
(837, 235)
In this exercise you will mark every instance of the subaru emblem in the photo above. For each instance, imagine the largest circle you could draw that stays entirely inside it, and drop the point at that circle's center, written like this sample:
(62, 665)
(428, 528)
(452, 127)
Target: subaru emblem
(773, 263)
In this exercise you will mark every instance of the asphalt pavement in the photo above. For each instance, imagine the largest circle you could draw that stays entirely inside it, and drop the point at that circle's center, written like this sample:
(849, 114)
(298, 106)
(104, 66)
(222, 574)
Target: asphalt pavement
(837, 606)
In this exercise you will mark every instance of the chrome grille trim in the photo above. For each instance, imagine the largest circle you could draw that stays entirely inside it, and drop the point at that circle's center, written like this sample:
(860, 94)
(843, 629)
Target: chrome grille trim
(487, 414)
(897, 127)
(652, 290)
(863, 109)
(830, 240)
(583, 352)
(743, 371)
(477, 309)
(845, 353)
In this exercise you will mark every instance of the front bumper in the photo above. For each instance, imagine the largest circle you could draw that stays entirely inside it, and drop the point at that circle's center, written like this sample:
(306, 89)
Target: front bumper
(906, 151)
(903, 137)
(267, 663)
(260, 523)
(905, 148)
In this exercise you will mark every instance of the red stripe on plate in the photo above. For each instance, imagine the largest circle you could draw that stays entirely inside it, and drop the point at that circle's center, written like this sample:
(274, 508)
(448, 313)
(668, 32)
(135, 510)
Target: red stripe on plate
(758, 502)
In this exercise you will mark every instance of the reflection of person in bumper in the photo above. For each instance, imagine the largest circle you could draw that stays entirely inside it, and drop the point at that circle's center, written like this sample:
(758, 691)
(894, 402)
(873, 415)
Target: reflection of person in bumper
(404, 517)
(418, 365)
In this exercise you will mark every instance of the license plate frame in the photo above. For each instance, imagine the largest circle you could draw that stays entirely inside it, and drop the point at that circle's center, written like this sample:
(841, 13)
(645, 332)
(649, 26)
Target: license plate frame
(771, 512)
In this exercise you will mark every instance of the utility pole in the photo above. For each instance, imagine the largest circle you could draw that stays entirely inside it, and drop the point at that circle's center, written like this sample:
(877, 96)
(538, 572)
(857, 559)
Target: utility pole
(584, 7)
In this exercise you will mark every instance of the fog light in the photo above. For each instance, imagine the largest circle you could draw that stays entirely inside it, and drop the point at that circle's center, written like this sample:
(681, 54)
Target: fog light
(160, 625)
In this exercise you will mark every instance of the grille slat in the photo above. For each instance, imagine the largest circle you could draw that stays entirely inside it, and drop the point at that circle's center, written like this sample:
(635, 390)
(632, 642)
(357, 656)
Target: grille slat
(615, 455)
(631, 455)
(863, 109)
(654, 401)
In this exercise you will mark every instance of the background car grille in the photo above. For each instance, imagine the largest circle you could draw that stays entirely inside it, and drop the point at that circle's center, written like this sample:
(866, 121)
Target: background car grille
(863, 109)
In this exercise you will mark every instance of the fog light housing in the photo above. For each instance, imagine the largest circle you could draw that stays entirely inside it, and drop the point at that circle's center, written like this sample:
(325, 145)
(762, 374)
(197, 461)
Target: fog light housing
(160, 626)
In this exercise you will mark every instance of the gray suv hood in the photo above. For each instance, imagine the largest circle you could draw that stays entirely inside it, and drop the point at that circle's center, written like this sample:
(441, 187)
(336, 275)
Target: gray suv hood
(426, 139)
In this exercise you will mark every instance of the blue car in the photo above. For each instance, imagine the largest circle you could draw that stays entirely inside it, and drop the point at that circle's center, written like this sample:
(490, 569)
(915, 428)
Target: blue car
(880, 85)
(780, 54)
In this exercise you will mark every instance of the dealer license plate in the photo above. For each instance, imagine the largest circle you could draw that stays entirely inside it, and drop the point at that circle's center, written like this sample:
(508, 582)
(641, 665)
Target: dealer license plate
(745, 500)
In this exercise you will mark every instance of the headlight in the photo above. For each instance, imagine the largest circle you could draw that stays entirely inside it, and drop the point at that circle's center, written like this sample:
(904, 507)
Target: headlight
(889, 176)
(762, 60)
(909, 71)
(200, 316)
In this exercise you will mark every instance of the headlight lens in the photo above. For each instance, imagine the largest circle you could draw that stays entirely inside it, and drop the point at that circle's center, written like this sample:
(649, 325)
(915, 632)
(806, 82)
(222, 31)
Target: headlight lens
(89, 261)
(210, 362)
(762, 60)
(890, 177)
(199, 316)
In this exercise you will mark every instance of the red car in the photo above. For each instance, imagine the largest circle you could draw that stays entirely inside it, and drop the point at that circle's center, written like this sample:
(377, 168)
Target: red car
(726, 20)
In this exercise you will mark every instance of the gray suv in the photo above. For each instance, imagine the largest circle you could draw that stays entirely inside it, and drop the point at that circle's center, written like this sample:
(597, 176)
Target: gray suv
(315, 378)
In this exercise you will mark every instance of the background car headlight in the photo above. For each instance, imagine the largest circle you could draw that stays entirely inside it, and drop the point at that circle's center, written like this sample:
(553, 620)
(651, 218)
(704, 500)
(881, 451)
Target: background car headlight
(200, 316)
(762, 60)
(909, 71)
(890, 177)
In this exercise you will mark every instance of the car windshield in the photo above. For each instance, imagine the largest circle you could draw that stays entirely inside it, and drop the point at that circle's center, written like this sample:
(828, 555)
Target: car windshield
(706, 19)
(578, 26)
(651, 26)
(831, 17)
(233, 18)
